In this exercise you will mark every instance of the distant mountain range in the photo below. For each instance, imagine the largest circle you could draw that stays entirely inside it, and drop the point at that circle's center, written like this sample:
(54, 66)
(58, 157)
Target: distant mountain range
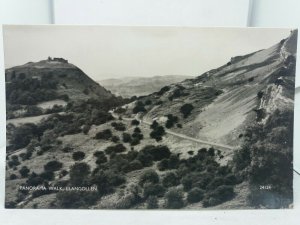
(139, 86)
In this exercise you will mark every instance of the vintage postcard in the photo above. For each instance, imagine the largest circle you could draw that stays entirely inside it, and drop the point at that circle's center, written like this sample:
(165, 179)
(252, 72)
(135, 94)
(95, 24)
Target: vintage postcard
(112, 117)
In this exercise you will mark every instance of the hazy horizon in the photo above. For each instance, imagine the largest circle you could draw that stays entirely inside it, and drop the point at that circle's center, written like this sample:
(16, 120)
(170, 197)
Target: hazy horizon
(108, 52)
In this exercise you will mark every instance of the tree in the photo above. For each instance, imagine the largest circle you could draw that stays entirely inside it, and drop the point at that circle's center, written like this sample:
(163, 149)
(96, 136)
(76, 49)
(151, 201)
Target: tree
(139, 107)
(135, 122)
(186, 109)
(174, 199)
(53, 166)
(126, 137)
(195, 195)
(170, 180)
(149, 176)
(157, 152)
(154, 125)
(105, 134)
(152, 202)
(79, 155)
(153, 189)
(157, 133)
(24, 171)
(79, 173)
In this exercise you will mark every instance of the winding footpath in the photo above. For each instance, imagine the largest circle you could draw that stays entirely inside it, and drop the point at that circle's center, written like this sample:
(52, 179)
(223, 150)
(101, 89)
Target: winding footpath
(213, 144)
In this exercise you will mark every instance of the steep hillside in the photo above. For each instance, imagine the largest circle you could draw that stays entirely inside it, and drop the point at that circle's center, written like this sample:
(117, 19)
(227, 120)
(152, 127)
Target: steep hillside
(45, 84)
(227, 99)
(222, 140)
(139, 86)
(69, 79)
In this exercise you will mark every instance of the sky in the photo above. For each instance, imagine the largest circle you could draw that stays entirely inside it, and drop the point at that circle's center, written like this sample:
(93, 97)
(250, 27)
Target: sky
(105, 52)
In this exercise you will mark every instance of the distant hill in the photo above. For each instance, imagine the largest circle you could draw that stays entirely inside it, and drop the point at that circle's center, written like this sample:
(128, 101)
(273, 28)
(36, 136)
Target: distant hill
(139, 86)
(52, 82)
(66, 78)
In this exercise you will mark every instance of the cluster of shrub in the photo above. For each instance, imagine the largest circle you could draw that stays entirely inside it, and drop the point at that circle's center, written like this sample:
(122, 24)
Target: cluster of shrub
(266, 159)
(178, 92)
(51, 169)
(139, 107)
(172, 120)
(78, 118)
(30, 91)
(119, 126)
(201, 177)
(157, 131)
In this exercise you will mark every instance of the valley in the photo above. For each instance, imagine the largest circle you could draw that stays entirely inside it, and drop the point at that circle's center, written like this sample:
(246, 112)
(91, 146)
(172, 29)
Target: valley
(201, 142)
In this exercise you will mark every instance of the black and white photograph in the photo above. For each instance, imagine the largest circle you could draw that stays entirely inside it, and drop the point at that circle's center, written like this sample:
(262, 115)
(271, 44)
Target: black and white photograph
(149, 117)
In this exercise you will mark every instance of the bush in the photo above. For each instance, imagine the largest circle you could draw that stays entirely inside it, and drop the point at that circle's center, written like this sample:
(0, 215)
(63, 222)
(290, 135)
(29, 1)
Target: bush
(63, 173)
(118, 126)
(154, 125)
(157, 152)
(230, 179)
(98, 153)
(105, 134)
(53, 166)
(173, 161)
(153, 189)
(186, 109)
(196, 179)
(79, 173)
(26, 156)
(115, 149)
(221, 194)
(191, 152)
(14, 161)
(137, 130)
(163, 165)
(163, 90)
(135, 141)
(170, 180)
(134, 165)
(126, 138)
(157, 133)
(195, 195)
(145, 159)
(86, 129)
(174, 199)
(135, 122)
(101, 159)
(139, 107)
(138, 136)
(79, 155)
(13, 176)
(49, 175)
(211, 151)
(216, 182)
(106, 180)
(115, 139)
(187, 182)
(171, 121)
(23, 134)
(149, 176)
(152, 202)
(76, 199)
